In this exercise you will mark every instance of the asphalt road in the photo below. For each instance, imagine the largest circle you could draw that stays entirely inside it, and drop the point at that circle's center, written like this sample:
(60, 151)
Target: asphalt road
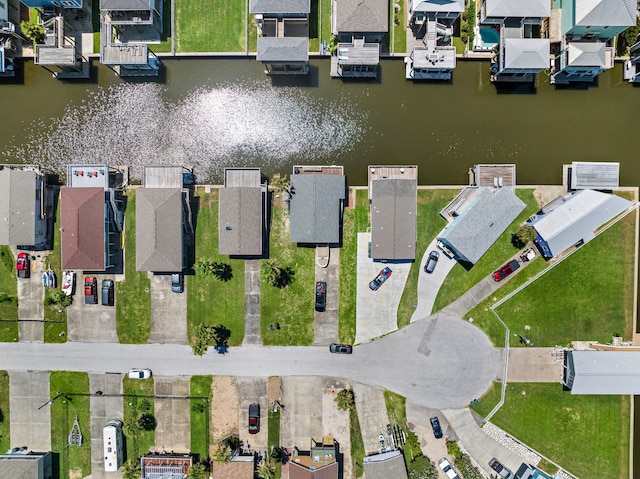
(439, 363)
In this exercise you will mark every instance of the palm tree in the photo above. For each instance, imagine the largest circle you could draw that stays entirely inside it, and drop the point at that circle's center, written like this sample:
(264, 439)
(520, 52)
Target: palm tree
(131, 470)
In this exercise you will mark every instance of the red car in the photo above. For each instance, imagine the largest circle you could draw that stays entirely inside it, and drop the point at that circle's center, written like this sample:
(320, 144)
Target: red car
(506, 270)
(23, 268)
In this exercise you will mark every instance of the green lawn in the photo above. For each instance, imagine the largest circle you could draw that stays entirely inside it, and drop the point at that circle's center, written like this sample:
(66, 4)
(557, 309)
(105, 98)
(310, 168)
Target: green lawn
(460, 280)
(273, 435)
(488, 400)
(133, 301)
(459, 45)
(211, 301)
(589, 296)
(399, 30)
(587, 435)
(325, 21)
(8, 288)
(429, 224)
(396, 407)
(290, 307)
(357, 444)
(5, 442)
(253, 34)
(314, 26)
(73, 461)
(135, 392)
(355, 220)
(200, 387)
(210, 26)
(55, 327)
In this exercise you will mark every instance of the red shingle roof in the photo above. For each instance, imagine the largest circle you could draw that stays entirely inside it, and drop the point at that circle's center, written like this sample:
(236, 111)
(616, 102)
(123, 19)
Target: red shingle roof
(82, 235)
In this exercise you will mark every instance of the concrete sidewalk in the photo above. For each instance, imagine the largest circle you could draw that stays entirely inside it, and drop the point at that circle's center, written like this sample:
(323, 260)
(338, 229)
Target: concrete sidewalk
(252, 302)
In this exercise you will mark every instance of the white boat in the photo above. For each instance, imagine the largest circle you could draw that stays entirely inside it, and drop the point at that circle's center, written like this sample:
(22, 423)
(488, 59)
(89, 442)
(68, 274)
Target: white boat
(68, 282)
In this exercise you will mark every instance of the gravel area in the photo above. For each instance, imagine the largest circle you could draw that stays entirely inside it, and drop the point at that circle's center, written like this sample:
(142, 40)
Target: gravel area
(224, 409)
(507, 441)
(336, 423)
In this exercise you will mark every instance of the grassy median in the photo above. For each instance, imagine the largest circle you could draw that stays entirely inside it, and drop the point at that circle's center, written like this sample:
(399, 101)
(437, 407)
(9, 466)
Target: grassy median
(5, 442)
(138, 399)
(9, 291)
(200, 387)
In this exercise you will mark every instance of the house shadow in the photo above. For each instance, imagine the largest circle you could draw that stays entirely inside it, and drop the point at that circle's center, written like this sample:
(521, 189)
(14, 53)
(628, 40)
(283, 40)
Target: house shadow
(310, 80)
(578, 86)
(515, 88)
(160, 78)
(18, 74)
(190, 237)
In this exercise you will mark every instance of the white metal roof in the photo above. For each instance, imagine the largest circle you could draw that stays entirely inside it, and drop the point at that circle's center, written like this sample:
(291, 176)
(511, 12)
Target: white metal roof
(587, 54)
(517, 8)
(603, 372)
(526, 53)
(443, 6)
(606, 12)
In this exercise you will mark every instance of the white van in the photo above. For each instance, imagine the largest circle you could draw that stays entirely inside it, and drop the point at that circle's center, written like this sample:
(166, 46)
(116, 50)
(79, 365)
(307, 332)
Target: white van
(112, 439)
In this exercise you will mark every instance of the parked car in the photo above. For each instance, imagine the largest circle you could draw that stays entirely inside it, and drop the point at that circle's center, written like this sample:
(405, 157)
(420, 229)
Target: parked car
(506, 270)
(23, 266)
(447, 469)
(90, 290)
(380, 279)
(447, 252)
(432, 262)
(497, 466)
(321, 296)
(140, 373)
(254, 418)
(435, 425)
(340, 348)
(177, 283)
(107, 292)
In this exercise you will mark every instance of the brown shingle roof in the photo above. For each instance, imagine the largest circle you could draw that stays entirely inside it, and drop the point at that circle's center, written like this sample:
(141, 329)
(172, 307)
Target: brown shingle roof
(233, 470)
(83, 228)
(297, 471)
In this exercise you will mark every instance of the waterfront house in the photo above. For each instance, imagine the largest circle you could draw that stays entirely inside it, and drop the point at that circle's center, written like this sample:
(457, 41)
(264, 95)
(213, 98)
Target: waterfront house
(632, 66)
(52, 3)
(283, 35)
(385, 465)
(91, 217)
(161, 465)
(359, 26)
(126, 26)
(574, 220)
(432, 22)
(23, 463)
(26, 205)
(393, 195)
(478, 217)
(162, 218)
(7, 36)
(242, 208)
(58, 52)
(583, 32)
(520, 54)
(594, 175)
(602, 372)
(317, 197)
(320, 462)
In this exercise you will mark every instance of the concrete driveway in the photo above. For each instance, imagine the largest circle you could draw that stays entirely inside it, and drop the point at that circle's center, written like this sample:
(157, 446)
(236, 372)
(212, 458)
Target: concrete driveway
(372, 414)
(31, 300)
(91, 322)
(336, 423)
(528, 365)
(104, 408)
(377, 311)
(173, 431)
(252, 390)
(418, 418)
(168, 311)
(326, 322)
(30, 418)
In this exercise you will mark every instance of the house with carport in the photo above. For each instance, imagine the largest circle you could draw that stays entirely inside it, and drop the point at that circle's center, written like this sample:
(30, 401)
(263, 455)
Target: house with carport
(320, 462)
(602, 372)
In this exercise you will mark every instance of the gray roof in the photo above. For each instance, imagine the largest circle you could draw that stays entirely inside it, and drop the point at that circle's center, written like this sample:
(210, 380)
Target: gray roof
(603, 372)
(126, 4)
(597, 175)
(362, 16)
(393, 219)
(518, 8)
(283, 49)
(159, 235)
(621, 13)
(587, 54)
(480, 224)
(386, 465)
(316, 208)
(577, 218)
(23, 466)
(358, 53)
(280, 6)
(18, 206)
(526, 53)
(444, 6)
(240, 223)
(162, 177)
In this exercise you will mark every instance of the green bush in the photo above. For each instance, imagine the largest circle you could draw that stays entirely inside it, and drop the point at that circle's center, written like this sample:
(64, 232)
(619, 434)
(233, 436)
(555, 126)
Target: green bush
(466, 469)
(453, 449)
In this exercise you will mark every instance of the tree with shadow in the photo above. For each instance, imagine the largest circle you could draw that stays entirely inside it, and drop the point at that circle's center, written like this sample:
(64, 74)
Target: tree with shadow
(276, 276)
(131, 469)
(206, 333)
(222, 271)
(198, 471)
(524, 236)
(267, 469)
(147, 421)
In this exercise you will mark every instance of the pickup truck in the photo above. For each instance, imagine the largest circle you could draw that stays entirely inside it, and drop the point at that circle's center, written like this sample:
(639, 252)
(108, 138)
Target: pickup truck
(90, 290)
(506, 270)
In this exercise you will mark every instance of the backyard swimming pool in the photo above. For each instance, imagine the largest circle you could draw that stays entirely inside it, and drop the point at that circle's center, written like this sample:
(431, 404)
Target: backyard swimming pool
(486, 38)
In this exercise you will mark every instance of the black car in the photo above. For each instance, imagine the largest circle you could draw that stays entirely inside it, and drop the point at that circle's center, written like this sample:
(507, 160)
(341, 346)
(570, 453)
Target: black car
(435, 425)
(380, 279)
(321, 296)
(340, 348)
(107, 292)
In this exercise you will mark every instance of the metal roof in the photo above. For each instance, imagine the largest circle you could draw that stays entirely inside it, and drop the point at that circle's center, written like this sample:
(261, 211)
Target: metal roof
(386, 465)
(240, 221)
(280, 6)
(283, 49)
(159, 234)
(126, 4)
(316, 208)
(577, 218)
(517, 8)
(18, 207)
(587, 54)
(362, 16)
(602, 372)
(482, 222)
(393, 219)
(526, 53)
(443, 6)
(621, 13)
(597, 175)
(162, 177)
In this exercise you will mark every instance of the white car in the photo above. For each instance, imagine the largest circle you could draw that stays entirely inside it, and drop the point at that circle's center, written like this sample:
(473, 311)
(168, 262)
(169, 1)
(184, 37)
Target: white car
(447, 469)
(140, 373)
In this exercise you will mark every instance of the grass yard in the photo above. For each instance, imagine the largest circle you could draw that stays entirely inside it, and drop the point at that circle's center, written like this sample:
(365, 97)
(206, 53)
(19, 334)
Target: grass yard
(354, 221)
(138, 396)
(211, 301)
(314, 26)
(55, 327)
(73, 461)
(324, 6)
(5, 442)
(133, 301)
(210, 26)
(273, 435)
(589, 296)
(489, 399)
(460, 280)
(252, 45)
(291, 307)
(398, 23)
(429, 224)
(200, 412)
(459, 45)
(9, 289)
(357, 444)
(396, 407)
(587, 435)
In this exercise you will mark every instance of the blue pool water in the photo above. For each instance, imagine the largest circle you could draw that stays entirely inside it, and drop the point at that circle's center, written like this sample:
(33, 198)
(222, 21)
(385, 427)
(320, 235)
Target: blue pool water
(490, 36)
